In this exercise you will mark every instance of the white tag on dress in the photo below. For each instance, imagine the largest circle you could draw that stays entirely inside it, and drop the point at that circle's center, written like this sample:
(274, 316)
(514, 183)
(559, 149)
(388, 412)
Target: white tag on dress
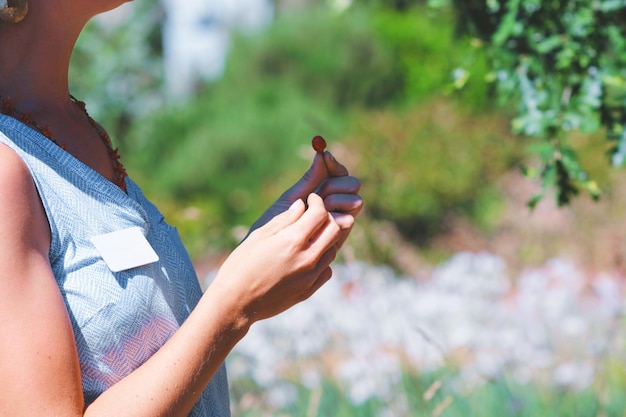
(125, 249)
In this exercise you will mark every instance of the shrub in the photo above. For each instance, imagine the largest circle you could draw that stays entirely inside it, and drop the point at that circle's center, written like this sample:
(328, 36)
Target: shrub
(338, 59)
(420, 166)
(427, 52)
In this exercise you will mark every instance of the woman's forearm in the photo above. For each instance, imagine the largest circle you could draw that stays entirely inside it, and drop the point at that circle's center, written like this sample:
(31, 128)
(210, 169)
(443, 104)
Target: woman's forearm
(172, 380)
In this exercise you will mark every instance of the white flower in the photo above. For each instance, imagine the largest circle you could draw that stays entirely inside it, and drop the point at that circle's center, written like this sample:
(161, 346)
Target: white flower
(366, 325)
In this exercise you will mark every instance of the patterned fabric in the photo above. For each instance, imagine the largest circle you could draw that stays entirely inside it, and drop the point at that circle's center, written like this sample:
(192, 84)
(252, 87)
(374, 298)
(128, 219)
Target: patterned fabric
(119, 319)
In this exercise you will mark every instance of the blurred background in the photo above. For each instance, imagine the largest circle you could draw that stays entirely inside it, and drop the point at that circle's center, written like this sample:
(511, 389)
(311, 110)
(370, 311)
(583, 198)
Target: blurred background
(452, 297)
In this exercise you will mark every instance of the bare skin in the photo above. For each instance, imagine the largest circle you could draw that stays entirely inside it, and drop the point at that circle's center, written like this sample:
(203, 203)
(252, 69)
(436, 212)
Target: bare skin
(283, 261)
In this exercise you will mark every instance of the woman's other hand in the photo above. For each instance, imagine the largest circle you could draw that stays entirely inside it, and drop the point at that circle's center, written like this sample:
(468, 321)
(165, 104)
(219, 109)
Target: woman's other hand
(330, 180)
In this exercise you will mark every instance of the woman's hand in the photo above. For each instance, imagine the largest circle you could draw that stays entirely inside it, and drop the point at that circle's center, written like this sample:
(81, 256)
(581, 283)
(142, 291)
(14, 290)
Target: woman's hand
(281, 263)
(330, 180)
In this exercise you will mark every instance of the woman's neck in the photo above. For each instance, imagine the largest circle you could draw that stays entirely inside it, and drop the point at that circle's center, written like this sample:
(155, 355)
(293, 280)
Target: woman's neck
(34, 70)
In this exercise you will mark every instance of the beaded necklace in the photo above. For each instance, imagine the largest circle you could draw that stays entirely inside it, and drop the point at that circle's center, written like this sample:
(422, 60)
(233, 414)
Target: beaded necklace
(7, 108)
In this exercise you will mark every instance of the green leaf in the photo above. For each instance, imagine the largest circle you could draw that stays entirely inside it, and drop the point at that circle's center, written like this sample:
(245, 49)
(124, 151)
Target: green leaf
(532, 203)
(549, 44)
(509, 25)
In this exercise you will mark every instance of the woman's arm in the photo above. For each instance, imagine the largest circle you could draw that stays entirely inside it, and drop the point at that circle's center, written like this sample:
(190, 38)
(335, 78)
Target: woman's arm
(39, 369)
(280, 264)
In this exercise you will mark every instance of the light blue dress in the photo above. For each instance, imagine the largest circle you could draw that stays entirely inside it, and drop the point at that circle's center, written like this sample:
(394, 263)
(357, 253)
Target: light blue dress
(119, 319)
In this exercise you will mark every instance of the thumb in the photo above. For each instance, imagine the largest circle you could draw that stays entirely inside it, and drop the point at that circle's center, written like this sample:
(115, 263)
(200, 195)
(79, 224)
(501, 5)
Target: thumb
(310, 181)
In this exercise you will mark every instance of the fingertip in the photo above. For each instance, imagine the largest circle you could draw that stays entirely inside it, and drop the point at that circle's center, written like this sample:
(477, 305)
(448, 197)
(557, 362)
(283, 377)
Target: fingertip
(334, 168)
(343, 220)
(328, 157)
(314, 198)
(321, 159)
(298, 204)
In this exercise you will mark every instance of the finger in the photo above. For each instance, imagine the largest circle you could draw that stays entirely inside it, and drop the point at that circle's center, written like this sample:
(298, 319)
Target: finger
(343, 220)
(324, 277)
(317, 225)
(327, 271)
(340, 185)
(325, 237)
(342, 239)
(314, 217)
(286, 218)
(335, 169)
(315, 284)
(310, 181)
(322, 269)
(344, 203)
(345, 223)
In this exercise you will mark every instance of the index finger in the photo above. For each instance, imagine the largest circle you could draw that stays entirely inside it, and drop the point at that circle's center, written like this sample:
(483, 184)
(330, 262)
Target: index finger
(334, 168)
(317, 225)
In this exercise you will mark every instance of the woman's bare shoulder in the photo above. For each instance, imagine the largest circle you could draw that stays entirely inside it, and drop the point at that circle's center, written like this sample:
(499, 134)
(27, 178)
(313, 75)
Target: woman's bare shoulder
(22, 217)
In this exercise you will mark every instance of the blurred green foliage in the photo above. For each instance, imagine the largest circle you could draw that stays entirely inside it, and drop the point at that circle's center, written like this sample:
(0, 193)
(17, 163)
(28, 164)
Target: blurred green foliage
(336, 58)
(562, 64)
(426, 53)
(376, 80)
(422, 165)
(117, 69)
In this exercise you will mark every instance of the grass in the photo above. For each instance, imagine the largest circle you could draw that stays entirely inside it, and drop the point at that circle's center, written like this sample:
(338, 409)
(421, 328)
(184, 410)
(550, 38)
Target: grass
(442, 393)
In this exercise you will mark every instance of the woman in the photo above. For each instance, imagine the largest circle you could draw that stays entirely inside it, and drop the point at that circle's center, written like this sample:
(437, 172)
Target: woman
(101, 313)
